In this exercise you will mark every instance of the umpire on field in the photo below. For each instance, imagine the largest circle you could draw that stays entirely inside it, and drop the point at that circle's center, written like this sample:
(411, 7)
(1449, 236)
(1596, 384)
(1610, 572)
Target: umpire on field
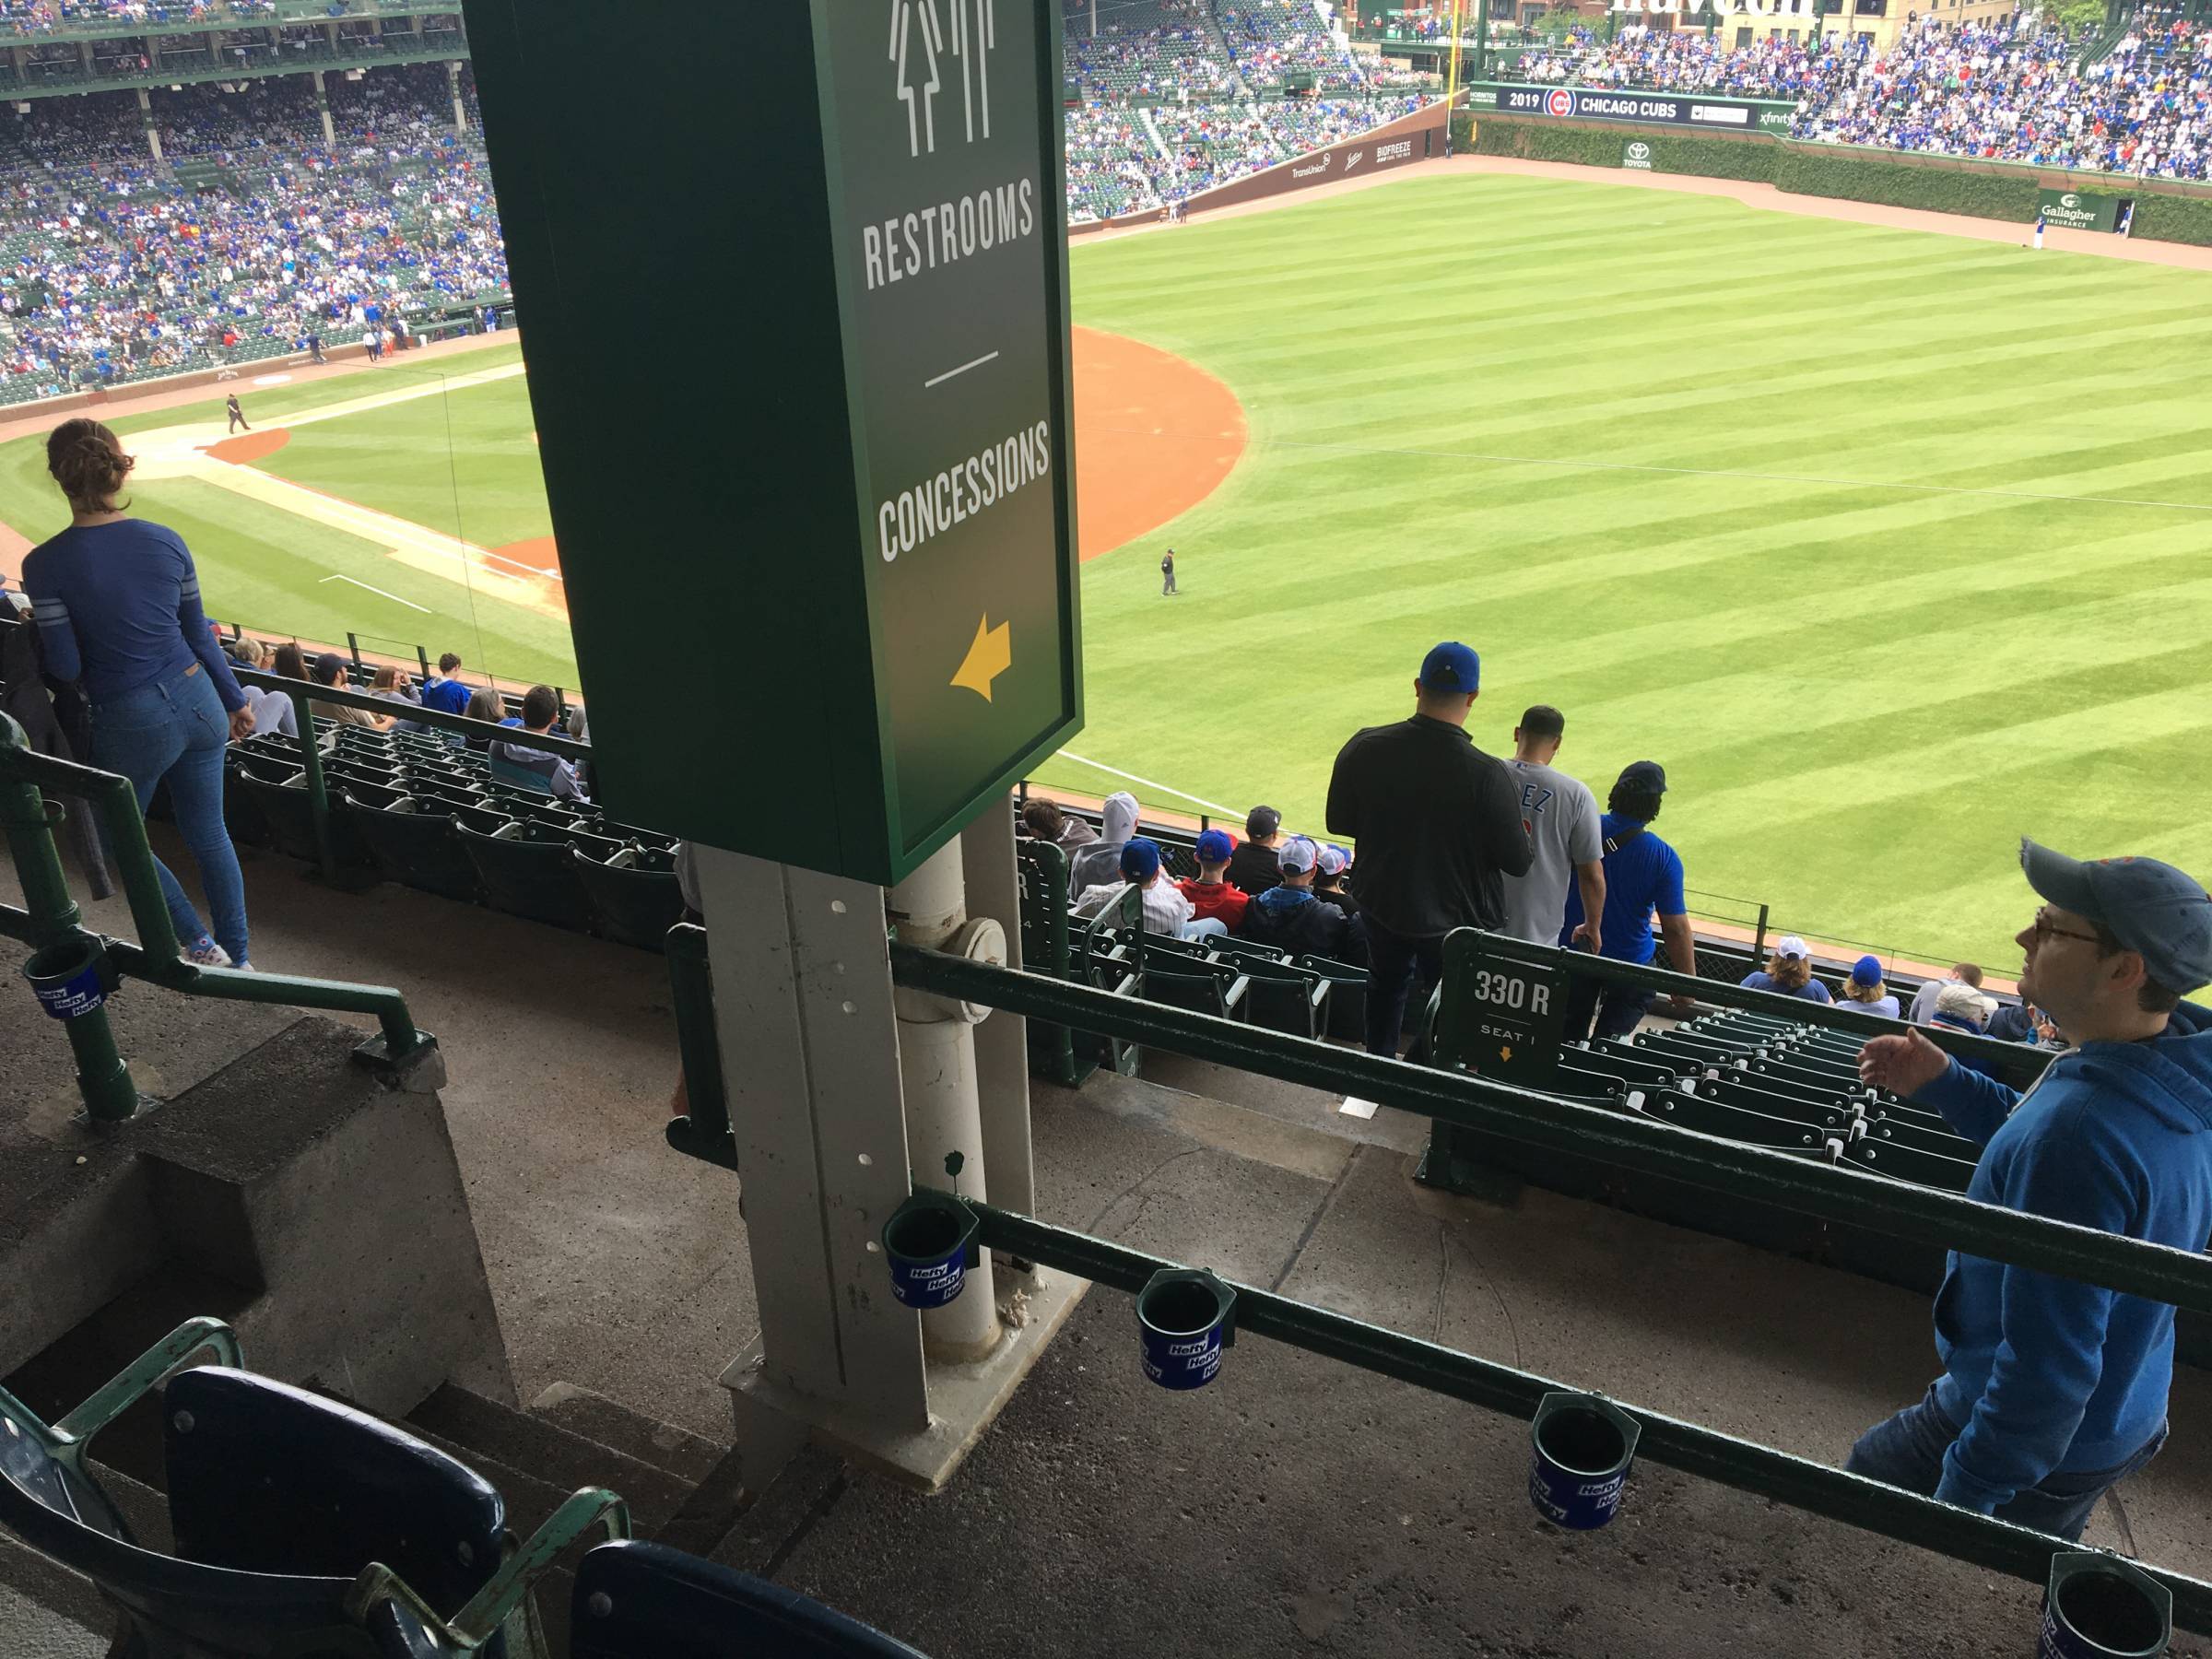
(1437, 824)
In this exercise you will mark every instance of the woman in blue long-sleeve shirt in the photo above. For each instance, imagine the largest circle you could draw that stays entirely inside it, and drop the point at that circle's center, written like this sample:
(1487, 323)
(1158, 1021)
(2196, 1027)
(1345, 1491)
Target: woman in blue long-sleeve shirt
(117, 604)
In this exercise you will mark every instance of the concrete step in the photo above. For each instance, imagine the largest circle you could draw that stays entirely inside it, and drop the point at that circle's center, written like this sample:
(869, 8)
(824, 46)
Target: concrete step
(689, 1457)
(37, 1631)
(530, 1502)
(549, 1453)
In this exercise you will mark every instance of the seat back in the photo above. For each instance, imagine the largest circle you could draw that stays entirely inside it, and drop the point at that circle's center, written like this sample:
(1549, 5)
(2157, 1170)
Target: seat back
(415, 848)
(527, 878)
(291, 820)
(1283, 998)
(268, 1479)
(1201, 991)
(646, 1601)
(171, 1609)
(634, 907)
(1347, 1008)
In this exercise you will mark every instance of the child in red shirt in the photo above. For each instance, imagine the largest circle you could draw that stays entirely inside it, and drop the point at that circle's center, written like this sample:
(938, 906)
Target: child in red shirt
(1210, 895)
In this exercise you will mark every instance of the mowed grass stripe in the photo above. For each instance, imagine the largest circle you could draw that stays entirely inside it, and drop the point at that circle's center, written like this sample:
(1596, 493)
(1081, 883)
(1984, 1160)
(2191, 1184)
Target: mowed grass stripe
(1864, 692)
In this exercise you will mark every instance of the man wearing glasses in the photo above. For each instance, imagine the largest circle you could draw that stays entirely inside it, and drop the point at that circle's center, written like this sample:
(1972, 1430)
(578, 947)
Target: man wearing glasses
(2053, 1391)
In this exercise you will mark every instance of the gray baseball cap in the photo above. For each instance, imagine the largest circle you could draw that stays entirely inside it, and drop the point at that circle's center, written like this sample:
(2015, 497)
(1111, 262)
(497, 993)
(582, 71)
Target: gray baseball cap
(2162, 913)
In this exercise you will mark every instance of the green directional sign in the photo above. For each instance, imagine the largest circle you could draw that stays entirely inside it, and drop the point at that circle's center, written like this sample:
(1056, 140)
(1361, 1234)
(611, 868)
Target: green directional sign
(799, 358)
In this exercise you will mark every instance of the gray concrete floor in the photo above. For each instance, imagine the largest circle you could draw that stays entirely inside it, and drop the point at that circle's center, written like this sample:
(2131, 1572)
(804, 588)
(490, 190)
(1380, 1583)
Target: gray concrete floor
(32, 1632)
(1296, 1504)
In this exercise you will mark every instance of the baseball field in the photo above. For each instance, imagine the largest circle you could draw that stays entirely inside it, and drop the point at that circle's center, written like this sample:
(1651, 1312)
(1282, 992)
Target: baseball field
(1889, 546)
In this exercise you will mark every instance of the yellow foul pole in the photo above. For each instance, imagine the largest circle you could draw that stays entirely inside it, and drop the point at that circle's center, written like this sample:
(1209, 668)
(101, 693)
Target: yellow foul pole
(1452, 90)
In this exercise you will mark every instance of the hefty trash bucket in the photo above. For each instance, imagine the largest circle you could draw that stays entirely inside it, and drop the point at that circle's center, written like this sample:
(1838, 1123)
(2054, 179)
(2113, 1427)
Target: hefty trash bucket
(929, 1243)
(2101, 1607)
(1185, 1320)
(69, 979)
(1583, 1447)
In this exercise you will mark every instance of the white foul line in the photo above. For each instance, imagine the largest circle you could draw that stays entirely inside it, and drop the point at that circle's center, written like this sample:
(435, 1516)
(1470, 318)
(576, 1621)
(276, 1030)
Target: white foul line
(1148, 784)
(963, 369)
(382, 594)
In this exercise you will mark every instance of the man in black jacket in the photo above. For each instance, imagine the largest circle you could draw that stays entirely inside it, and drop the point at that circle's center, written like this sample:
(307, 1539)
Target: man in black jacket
(1251, 867)
(1438, 825)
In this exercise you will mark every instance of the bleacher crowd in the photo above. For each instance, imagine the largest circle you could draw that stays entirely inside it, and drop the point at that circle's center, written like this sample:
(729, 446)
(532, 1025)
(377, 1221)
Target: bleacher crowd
(2017, 90)
(112, 269)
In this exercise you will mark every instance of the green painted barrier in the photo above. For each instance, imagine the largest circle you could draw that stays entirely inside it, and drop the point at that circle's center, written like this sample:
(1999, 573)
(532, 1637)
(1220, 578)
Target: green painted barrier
(49, 922)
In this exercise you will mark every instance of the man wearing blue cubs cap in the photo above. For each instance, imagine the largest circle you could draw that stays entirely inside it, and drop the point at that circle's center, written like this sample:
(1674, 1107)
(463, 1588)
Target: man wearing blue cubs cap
(2053, 1391)
(1438, 825)
(1213, 897)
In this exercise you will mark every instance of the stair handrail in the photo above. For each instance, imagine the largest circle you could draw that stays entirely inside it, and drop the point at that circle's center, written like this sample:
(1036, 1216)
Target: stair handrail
(50, 921)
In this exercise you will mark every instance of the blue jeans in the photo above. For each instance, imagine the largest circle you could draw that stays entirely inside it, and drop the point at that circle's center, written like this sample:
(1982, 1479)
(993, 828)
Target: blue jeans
(1392, 961)
(177, 730)
(1907, 1451)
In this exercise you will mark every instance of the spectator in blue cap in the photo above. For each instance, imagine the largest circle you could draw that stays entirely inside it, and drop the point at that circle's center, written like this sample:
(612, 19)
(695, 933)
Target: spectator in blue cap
(1866, 991)
(2053, 1390)
(1438, 825)
(1166, 911)
(1213, 898)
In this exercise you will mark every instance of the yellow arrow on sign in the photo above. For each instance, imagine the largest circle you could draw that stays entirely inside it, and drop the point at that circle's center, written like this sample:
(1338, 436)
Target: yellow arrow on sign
(990, 656)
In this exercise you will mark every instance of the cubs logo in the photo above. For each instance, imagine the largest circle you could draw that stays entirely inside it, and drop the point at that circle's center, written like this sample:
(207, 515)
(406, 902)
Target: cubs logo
(1560, 102)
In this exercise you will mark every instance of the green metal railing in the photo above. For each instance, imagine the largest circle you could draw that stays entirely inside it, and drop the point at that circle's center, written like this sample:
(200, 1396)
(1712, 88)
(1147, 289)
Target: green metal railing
(49, 922)
(303, 695)
(1838, 1194)
(1746, 1465)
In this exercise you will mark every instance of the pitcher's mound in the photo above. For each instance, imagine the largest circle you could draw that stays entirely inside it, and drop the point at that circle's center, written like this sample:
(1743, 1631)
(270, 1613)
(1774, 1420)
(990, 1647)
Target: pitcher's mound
(250, 447)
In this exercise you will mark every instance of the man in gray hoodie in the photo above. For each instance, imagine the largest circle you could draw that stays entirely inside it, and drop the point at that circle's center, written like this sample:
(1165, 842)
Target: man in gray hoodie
(1101, 862)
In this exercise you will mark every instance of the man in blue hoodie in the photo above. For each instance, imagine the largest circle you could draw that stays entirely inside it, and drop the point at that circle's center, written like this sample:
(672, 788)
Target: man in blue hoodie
(2053, 1391)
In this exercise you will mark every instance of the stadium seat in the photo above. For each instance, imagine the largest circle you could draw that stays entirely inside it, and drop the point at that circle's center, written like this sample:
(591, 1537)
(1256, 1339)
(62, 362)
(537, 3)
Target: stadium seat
(1732, 1123)
(413, 843)
(1283, 998)
(291, 819)
(634, 906)
(243, 817)
(277, 1498)
(646, 1601)
(526, 877)
(1348, 998)
(268, 1479)
(1909, 1163)
(1221, 994)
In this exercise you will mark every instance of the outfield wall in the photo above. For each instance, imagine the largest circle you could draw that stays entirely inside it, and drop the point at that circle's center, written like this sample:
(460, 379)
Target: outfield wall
(1405, 142)
(2166, 209)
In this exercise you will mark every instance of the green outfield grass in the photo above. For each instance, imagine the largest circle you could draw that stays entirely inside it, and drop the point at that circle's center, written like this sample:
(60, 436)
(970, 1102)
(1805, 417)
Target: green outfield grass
(1889, 546)
(459, 461)
(1862, 692)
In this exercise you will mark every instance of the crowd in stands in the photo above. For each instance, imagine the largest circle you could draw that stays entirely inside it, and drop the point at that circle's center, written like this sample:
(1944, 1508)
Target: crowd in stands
(1116, 165)
(1276, 41)
(39, 16)
(2025, 94)
(112, 269)
(1686, 60)
(1181, 95)
(2017, 90)
(1147, 49)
